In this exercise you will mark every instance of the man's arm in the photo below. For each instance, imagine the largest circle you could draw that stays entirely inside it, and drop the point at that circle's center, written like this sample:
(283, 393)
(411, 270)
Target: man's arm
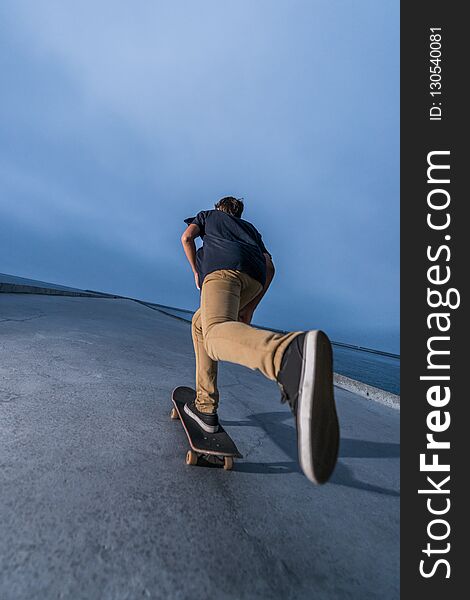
(246, 314)
(189, 247)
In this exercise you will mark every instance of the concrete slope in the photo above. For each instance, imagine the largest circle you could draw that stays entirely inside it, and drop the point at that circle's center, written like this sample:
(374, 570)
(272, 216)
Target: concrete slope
(97, 502)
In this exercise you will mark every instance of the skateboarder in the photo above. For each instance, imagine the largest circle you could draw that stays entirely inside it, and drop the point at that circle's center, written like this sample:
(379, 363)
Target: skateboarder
(233, 270)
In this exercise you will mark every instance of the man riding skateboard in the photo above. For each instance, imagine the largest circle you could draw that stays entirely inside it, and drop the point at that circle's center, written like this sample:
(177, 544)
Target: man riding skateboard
(233, 270)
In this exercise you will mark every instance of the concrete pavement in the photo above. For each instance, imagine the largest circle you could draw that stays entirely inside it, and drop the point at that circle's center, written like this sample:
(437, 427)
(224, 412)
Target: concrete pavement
(97, 502)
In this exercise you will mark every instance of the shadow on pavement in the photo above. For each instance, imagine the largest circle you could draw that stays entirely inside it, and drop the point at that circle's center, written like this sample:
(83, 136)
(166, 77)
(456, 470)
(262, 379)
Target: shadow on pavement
(284, 436)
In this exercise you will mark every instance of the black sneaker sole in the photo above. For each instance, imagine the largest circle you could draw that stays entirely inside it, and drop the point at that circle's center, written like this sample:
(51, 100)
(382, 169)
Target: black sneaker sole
(200, 422)
(317, 421)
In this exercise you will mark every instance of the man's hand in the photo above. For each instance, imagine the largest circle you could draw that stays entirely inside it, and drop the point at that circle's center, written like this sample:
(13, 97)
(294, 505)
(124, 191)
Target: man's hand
(246, 314)
(196, 280)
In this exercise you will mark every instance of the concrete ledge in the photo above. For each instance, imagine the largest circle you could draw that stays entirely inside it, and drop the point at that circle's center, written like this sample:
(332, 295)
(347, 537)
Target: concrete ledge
(367, 391)
(14, 288)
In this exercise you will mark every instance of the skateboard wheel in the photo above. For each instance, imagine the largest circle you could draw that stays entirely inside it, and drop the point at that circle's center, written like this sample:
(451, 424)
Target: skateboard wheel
(191, 458)
(174, 414)
(228, 463)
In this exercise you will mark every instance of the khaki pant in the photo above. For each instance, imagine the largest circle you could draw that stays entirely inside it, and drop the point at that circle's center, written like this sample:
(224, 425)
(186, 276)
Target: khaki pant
(218, 335)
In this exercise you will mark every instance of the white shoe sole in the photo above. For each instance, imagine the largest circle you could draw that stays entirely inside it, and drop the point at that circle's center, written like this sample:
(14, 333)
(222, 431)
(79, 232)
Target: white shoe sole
(200, 422)
(317, 422)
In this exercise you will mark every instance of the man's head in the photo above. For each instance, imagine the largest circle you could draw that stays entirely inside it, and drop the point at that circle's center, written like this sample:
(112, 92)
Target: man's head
(232, 206)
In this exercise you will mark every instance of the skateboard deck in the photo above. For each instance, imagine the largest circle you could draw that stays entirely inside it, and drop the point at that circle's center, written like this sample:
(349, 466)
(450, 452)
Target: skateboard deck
(211, 447)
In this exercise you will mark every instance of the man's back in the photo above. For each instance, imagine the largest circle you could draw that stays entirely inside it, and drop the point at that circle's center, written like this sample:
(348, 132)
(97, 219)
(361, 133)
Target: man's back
(229, 242)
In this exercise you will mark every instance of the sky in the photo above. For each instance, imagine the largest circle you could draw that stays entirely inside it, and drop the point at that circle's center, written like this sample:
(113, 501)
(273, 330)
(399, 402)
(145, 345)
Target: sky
(120, 119)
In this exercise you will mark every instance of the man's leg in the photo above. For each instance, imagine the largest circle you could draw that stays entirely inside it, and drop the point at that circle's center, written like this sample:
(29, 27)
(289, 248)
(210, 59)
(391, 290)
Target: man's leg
(301, 362)
(207, 394)
(207, 398)
(223, 294)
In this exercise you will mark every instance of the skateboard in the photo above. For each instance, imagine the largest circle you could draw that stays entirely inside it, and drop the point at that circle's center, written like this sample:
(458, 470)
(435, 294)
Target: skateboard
(214, 448)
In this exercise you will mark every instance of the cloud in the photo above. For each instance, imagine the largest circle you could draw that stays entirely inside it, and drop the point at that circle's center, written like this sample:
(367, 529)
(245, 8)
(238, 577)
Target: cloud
(120, 120)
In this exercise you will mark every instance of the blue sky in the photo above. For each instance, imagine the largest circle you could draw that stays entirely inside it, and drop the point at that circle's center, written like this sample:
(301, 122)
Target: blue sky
(120, 119)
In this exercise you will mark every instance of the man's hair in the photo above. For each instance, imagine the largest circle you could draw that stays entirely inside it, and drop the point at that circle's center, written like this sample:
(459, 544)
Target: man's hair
(232, 206)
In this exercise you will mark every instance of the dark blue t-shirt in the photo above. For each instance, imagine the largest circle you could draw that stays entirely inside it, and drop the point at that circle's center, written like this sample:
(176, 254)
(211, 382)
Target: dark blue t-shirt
(228, 243)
